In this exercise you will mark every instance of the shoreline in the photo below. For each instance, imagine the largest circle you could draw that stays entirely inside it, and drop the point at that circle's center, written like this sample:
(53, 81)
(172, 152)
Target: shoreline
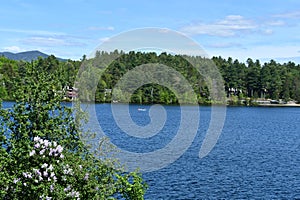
(278, 105)
(208, 105)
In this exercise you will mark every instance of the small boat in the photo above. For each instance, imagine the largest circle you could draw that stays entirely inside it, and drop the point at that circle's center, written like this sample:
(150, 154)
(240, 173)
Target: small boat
(142, 109)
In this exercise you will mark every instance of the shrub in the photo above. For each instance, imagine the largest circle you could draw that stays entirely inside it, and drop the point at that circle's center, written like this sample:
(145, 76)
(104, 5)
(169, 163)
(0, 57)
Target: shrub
(43, 154)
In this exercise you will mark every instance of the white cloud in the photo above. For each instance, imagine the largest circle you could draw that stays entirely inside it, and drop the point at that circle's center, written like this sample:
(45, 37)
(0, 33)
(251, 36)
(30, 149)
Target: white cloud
(234, 25)
(50, 41)
(276, 23)
(265, 52)
(268, 31)
(13, 49)
(289, 15)
(231, 25)
(44, 41)
(236, 22)
(41, 38)
(224, 45)
(33, 32)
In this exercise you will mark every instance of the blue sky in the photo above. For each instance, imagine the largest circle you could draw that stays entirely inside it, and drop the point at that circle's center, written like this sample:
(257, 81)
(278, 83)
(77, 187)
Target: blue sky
(259, 29)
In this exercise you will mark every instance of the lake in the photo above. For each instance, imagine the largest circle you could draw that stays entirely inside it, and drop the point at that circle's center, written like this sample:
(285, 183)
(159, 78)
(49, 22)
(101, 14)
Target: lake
(256, 156)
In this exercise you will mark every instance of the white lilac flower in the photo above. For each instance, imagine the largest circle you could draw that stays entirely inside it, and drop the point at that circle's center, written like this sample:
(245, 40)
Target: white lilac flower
(48, 198)
(41, 141)
(38, 172)
(37, 138)
(35, 170)
(46, 143)
(73, 193)
(54, 178)
(27, 175)
(86, 177)
(45, 165)
(76, 194)
(50, 167)
(51, 151)
(51, 187)
(42, 151)
(54, 144)
(80, 166)
(52, 174)
(16, 180)
(37, 145)
(31, 153)
(36, 181)
(68, 170)
(67, 188)
(59, 149)
(61, 156)
(65, 171)
(45, 174)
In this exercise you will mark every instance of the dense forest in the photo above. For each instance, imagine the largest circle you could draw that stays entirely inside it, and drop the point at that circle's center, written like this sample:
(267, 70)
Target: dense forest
(242, 81)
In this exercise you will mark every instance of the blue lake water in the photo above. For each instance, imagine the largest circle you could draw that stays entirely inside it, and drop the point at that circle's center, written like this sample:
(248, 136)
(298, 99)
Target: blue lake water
(256, 157)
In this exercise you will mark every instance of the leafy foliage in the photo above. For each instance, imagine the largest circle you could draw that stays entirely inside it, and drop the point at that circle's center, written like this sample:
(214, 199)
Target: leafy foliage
(42, 151)
(254, 80)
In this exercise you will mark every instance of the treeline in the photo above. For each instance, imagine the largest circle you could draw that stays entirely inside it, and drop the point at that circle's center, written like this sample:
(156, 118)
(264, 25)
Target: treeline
(13, 73)
(100, 76)
(252, 79)
(153, 92)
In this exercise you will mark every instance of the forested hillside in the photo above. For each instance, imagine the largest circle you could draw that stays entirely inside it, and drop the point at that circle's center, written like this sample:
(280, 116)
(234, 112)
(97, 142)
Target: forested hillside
(255, 80)
(250, 80)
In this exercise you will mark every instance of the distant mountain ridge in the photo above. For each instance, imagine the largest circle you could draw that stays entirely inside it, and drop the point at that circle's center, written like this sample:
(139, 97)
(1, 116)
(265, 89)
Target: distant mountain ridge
(26, 55)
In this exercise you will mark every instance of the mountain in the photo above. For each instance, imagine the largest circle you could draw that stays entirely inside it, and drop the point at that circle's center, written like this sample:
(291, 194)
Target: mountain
(26, 56)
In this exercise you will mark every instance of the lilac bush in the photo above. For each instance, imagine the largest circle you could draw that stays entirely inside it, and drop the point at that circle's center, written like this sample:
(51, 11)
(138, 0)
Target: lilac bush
(43, 155)
(54, 173)
(49, 170)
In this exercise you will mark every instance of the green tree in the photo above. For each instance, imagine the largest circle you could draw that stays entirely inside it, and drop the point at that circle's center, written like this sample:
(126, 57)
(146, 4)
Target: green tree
(253, 77)
(43, 153)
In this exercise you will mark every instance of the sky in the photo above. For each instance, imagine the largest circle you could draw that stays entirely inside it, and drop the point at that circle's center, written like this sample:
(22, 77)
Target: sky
(257, 29)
